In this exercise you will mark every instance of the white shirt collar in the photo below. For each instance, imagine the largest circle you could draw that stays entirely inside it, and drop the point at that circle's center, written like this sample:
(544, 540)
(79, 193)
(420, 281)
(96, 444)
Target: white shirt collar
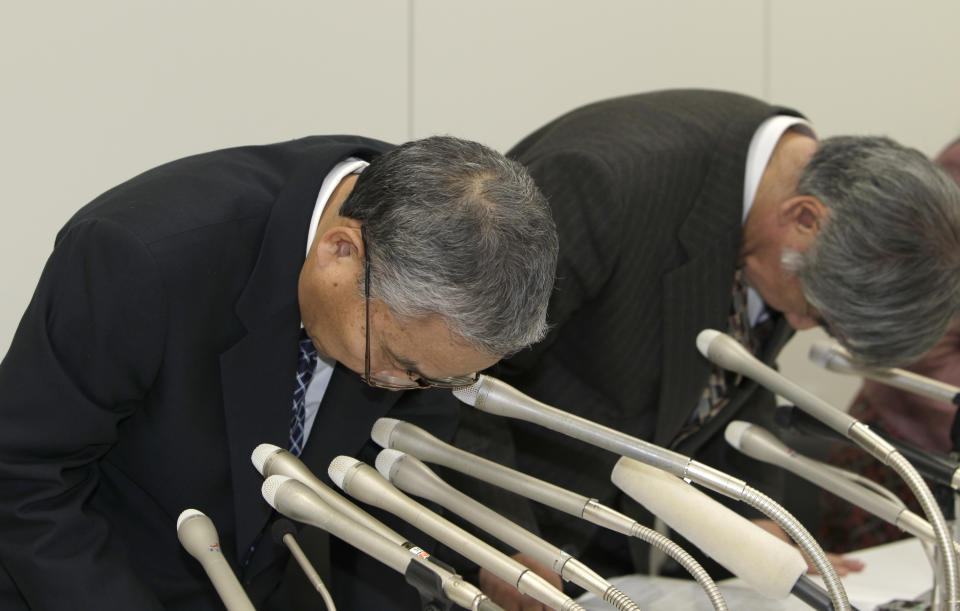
(758, 156)
(350, 165)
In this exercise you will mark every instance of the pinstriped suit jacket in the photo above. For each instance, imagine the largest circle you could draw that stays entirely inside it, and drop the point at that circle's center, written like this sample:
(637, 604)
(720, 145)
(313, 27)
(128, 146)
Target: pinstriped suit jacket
(647, 194)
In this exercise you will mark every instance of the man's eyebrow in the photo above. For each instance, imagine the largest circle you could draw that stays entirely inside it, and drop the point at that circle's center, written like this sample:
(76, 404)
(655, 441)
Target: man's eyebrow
(408, 364)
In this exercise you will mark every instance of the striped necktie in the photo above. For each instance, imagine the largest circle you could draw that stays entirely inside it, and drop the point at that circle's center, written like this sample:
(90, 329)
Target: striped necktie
(306, 365)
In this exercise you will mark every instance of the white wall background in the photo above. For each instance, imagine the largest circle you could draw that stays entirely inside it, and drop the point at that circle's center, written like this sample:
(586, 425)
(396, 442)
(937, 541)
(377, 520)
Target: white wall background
(94, 92)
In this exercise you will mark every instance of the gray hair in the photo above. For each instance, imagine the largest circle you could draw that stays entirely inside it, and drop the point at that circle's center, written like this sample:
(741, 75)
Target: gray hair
(884, 270)
(456, 229)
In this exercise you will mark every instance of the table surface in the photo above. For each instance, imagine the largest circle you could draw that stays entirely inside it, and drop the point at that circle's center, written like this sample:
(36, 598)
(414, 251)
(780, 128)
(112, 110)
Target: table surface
(898, 570)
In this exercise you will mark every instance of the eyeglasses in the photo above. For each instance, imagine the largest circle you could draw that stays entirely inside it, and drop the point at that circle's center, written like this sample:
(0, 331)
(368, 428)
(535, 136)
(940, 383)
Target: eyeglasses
(415, 381)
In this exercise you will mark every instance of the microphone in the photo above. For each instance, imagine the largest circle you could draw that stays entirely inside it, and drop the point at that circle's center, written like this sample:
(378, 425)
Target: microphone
(364, 483)
(493, 396)
(757, 442)
(832, 356)
(938, 468)
(272, 460)
(297, 501)
(412, 476)
(409, 438)
(766, 563)
(726, 352)
(199, 537)
(413, 440)
(283, 534)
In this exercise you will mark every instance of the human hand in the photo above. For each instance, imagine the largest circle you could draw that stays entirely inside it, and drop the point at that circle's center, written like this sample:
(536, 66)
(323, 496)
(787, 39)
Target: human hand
(508, 596)
(842, 565)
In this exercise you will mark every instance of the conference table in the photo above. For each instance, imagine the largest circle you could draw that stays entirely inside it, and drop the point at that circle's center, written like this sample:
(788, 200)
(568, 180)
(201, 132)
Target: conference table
(898, 570)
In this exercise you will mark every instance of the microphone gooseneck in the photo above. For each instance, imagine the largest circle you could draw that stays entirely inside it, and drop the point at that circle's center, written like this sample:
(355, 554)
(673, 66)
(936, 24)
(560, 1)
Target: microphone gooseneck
(762, 445)
(726, 352)
(399, 435)
(493, 396)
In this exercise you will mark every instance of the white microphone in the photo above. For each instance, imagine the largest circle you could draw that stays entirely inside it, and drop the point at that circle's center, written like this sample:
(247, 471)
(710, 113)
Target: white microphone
(272, 460)
(299, 502)
(412, 476)
(364, 483)
(725, 351)
(399, 435)
(199, 537)
(766, 563)
(759, 443)
(832, 356)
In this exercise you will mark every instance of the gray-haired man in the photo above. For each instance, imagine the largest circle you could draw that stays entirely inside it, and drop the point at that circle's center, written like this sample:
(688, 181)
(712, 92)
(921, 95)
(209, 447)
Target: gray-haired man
(684, 210)
(230, 299)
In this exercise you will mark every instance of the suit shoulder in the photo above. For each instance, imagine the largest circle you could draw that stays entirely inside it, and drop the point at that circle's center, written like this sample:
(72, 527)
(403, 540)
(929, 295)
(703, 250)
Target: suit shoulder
(655, 122)
(220, 186)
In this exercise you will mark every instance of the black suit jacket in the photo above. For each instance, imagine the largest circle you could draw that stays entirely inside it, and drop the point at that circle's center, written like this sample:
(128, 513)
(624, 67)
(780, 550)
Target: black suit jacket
(159, 349)
(647, 194)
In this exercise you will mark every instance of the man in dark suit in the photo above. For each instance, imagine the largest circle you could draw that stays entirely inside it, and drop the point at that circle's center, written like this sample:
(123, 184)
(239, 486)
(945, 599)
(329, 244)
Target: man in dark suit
(684, 210)
(181, 311)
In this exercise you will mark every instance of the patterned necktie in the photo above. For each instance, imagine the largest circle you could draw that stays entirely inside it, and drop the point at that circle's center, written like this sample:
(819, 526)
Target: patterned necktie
(306, 365)
(717, 393)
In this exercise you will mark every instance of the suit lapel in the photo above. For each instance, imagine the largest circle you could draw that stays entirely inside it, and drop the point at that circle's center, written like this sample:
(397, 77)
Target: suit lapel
(258, 380)
(697, 294)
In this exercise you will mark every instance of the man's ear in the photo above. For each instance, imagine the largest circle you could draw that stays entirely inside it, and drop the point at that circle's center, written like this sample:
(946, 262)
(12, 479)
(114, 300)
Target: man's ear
(339, 244)
(803, 214)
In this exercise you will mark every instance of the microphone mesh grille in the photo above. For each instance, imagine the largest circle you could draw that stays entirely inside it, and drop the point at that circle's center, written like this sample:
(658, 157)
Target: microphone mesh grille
(270, 487)
(386, 459)
(261, 453)
(338, 468)
(381, 431)
(188, 513)
(469, 394)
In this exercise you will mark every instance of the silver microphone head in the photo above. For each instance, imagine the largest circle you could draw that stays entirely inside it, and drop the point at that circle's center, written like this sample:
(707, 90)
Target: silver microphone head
(386, 459)
(186, 514)
(734, 432)
(469, 394)
(261, 454)
(382, 430)
(338, 468)
(830, 355)
(704, 339)
(270, 487)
